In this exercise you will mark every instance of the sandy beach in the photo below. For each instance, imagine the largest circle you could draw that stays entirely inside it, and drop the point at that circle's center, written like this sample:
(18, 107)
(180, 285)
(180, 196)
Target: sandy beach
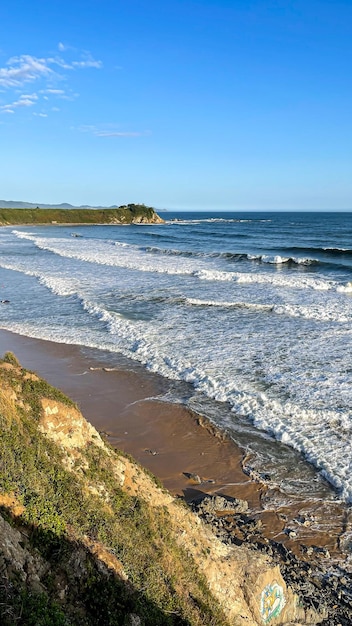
(186, 452)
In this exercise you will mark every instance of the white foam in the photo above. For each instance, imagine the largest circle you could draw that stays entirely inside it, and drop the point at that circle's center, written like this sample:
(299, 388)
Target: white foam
(322, 312)
(57, 284)
(129, 257)
(287, 280)
(288, 372)
(345, 288)
(274, 259)
(133, 258)
(214, 275)
(191, 353)
(328, 312)
(277, 259)
(209, 220)
(315, 433)
(303, 260)
(219, 303)
(333, 248)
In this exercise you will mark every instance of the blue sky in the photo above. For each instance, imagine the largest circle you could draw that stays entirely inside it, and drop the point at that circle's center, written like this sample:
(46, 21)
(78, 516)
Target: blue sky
(226, 104)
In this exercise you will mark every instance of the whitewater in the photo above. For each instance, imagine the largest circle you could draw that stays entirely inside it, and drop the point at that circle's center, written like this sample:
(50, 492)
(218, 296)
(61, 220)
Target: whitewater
(250, 312)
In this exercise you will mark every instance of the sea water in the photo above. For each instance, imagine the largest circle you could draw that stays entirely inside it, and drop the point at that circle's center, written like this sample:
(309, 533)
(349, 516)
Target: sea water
(250, 312)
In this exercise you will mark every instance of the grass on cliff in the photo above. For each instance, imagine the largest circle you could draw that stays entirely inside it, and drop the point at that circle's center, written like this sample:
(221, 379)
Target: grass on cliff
(62, 508)
(124, 214)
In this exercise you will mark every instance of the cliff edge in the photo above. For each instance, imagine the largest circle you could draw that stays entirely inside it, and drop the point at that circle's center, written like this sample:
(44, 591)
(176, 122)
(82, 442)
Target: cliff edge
(87, 537)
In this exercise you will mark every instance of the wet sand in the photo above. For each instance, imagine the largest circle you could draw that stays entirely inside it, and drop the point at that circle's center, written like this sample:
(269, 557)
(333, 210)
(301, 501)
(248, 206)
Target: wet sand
(124, 405)
(189, 455)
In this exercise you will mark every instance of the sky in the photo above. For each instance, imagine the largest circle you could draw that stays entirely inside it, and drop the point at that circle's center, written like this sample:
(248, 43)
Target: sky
(180, 104)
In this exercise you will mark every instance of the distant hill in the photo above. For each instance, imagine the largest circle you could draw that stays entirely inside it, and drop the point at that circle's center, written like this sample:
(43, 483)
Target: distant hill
(16, 204)
(127, 214)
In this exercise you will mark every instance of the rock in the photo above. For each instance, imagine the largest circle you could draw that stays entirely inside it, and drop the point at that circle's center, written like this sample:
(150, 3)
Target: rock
(259, 477)
(322, 551)
(134, 620)
(308, 550)
(303, 521)
(290, 533)
(218, 503)
(16, 560)
(194, 477)
(248, 524)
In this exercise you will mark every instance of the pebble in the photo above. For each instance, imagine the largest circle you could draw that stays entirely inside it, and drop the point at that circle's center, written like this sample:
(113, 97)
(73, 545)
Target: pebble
(152, 452)
(290, 533)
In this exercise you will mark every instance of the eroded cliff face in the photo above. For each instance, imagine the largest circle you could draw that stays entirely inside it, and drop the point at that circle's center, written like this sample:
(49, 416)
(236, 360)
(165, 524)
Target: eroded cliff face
(90, 536)
(154, 219)
(142, 220)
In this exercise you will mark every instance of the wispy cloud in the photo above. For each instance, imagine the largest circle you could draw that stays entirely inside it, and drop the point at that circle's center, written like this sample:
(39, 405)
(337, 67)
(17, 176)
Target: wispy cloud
(23, 101)
(46, 72)
(23, 69)
(58, 93)
(110, 132)
(107, 133)
(87, 61)
(55, 92)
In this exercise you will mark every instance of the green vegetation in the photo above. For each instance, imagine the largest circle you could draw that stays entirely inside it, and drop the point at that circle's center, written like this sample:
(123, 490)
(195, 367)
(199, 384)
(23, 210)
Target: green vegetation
(28, 609)
(126, 214)
(63, 509)
(9, 357)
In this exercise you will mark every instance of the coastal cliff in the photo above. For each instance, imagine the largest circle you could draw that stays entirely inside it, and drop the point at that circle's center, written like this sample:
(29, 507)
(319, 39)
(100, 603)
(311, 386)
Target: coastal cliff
(126, 214)
(87, 537)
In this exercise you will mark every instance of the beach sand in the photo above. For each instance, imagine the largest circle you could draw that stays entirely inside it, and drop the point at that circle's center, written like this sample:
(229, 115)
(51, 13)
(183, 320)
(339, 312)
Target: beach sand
(186, 452)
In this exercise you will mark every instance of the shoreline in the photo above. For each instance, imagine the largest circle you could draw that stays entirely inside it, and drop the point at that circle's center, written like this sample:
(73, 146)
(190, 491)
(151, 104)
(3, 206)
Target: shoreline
(127, 406)
(190, 456)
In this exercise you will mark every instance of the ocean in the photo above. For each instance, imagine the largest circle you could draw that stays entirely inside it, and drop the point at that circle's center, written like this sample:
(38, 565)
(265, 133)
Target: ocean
(249, 314)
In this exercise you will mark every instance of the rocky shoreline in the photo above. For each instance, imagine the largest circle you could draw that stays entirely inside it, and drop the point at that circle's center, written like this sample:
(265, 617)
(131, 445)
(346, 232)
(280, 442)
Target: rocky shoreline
(327, 592)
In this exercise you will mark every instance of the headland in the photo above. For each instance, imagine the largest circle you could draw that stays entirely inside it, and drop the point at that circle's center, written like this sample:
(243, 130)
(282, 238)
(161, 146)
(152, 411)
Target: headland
(125, 214)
